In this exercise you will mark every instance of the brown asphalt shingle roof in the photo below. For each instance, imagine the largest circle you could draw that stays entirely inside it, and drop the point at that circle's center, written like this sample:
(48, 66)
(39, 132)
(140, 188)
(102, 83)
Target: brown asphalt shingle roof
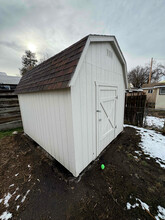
(54, 73)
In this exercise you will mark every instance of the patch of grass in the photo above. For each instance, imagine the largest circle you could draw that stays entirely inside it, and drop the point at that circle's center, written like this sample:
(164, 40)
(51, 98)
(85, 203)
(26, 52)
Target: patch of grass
(144, 163)
(130, 156)
(9, 132)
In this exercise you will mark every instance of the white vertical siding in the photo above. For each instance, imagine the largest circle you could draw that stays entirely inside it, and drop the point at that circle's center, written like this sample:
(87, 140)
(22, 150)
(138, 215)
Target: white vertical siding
(47, 119)
(96, 67)
(160, 101)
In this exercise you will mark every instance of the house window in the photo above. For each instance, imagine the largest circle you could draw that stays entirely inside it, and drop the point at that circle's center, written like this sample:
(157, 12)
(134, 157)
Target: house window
(150, 90)
(162, 91)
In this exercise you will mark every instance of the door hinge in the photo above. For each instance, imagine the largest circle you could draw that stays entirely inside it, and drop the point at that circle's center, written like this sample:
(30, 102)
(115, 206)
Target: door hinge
(116, 97)
(98, 111)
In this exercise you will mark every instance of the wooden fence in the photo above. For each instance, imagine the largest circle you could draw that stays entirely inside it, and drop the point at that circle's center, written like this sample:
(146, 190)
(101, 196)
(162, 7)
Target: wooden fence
(10, 116)
(134, 108)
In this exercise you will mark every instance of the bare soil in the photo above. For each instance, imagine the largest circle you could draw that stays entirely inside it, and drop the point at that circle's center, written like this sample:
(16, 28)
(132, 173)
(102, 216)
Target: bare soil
(156, 113)
(96, 194)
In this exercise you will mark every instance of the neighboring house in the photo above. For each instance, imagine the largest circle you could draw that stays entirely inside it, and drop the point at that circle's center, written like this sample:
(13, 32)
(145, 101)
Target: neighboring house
(155, 94)
(8, 82)
(72, 104)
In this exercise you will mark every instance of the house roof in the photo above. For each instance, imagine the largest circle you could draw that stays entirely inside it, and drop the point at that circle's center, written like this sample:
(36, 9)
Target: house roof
(153, 85)
(57, 71)
(8, 80)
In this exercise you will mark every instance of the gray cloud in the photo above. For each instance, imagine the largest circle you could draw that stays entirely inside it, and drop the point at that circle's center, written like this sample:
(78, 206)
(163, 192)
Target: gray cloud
(11, 45)
(53, 25)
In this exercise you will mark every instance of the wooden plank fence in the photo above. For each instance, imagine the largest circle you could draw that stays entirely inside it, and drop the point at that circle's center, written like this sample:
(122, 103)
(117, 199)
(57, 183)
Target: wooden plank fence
(10, 116)
(134, 108)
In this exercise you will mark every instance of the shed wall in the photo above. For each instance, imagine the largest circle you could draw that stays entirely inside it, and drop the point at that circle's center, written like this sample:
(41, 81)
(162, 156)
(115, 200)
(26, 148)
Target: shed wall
(47, 119)
(103, 66)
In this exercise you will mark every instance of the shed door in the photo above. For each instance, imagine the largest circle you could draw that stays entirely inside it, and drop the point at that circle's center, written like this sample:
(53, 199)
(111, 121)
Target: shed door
(106, 114)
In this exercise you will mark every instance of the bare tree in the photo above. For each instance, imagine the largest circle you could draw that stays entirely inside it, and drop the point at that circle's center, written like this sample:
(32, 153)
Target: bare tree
(140, 75)
(44, 57)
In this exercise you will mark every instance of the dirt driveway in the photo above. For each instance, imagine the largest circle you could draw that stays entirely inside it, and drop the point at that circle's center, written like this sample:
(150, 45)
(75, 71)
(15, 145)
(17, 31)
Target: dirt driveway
(34, 187)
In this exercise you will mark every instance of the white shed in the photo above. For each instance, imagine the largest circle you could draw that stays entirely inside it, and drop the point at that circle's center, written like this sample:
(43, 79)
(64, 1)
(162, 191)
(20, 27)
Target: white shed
(72, 104)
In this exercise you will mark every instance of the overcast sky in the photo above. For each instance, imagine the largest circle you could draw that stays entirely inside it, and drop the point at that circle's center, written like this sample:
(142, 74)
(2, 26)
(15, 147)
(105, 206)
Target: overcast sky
(53, 25)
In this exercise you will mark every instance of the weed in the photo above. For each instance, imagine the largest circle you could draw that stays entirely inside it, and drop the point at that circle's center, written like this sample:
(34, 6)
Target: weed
(9, 132)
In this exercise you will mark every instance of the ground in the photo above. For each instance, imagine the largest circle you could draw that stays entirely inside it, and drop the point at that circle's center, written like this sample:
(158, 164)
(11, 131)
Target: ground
(132, 185)
(155, 123)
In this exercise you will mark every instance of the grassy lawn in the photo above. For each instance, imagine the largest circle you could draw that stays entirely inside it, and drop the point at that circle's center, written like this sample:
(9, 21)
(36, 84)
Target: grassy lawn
(9, 132)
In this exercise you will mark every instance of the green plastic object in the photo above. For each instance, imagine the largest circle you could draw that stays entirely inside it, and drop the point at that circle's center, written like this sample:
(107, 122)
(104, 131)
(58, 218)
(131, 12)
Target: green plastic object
(102, 166)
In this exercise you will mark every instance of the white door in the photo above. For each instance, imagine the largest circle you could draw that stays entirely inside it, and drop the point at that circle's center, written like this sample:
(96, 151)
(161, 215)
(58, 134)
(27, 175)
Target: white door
(105, 115)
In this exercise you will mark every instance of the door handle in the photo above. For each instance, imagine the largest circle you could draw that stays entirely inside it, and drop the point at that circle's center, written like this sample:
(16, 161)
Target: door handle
(98, 111)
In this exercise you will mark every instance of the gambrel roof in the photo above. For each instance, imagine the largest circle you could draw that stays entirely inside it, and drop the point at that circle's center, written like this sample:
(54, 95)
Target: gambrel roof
(57, 72)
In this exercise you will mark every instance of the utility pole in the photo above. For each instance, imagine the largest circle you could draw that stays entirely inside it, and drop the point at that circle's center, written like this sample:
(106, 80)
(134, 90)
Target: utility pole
(150, 74)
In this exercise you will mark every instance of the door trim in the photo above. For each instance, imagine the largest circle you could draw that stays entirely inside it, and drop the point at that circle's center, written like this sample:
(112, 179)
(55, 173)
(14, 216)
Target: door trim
(97, 111)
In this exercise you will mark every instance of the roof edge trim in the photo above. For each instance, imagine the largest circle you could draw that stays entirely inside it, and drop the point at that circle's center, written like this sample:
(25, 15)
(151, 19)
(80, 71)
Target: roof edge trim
(74, 77)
